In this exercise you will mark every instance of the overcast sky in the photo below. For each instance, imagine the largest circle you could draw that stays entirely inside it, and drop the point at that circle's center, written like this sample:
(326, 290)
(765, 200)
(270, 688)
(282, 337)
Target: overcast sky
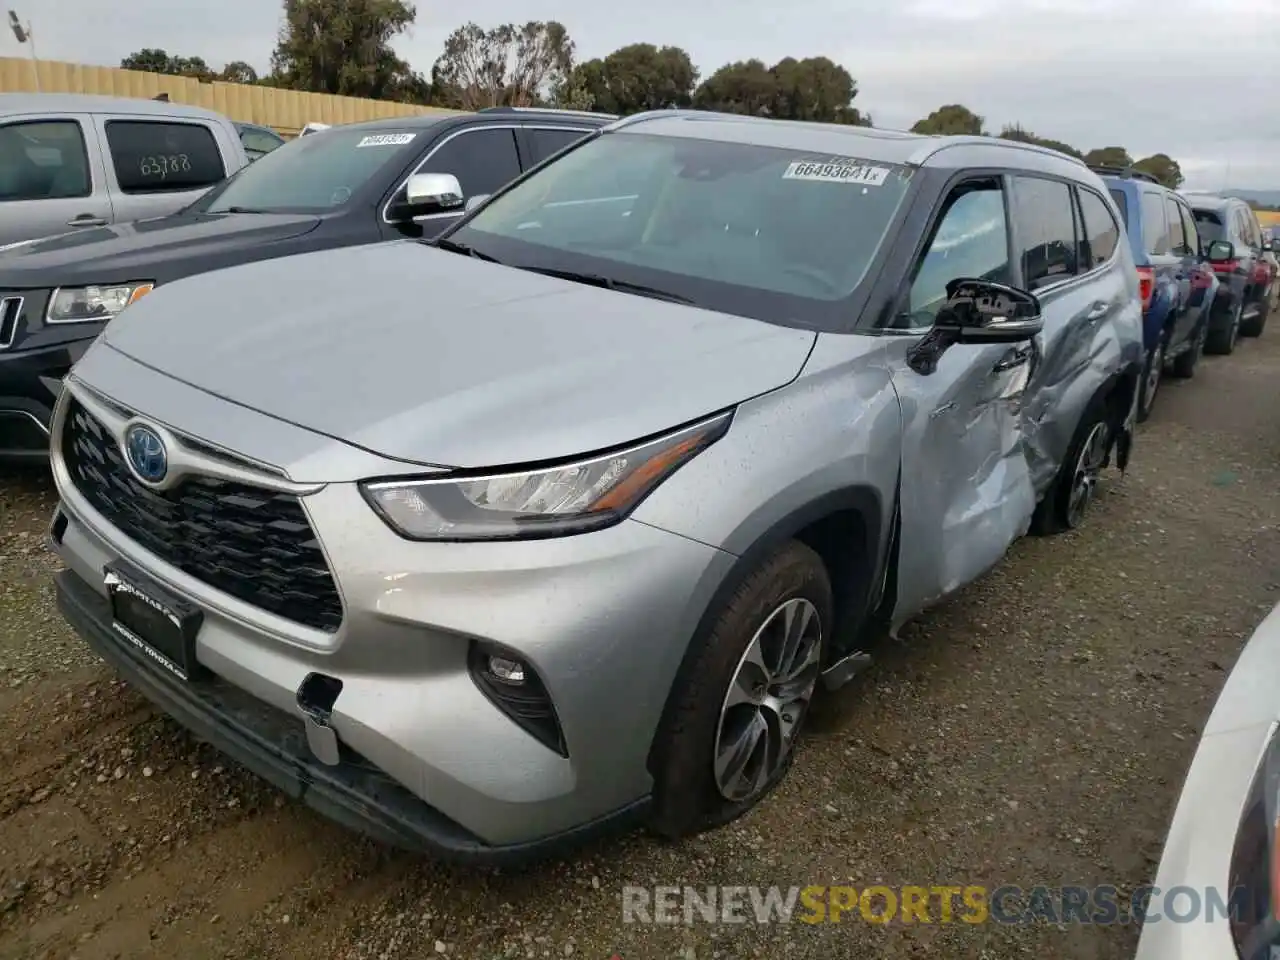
(1197, 79)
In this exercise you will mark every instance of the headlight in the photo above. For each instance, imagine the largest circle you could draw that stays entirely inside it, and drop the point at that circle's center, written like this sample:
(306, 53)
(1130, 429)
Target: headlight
(551, 502)
(1254, 884)
(86, 304)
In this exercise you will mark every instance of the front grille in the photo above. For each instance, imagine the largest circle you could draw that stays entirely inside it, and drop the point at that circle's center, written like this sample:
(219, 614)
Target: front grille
(10, 310)
(252, 543)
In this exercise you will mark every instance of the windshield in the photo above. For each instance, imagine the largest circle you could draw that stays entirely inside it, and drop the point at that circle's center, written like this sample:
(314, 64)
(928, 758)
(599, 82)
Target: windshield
(1209, 225)
(315, 173)
(778, 234)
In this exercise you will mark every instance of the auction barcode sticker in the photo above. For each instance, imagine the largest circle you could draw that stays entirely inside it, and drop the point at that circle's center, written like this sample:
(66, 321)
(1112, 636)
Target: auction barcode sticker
(387, 140)
(828, 172)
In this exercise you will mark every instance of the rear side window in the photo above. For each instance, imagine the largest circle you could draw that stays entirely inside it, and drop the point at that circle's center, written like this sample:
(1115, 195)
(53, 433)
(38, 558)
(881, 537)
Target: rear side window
(160, 156)
(545, 142)
(1122, 202)
(1177, 232)
(1046, 229)
(1100, 228)
(43, 160)
(1155, 232)
(482, 160)
(1189, 227)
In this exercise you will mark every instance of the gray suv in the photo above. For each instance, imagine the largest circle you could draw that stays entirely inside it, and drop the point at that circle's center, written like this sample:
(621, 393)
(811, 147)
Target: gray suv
(489, 544)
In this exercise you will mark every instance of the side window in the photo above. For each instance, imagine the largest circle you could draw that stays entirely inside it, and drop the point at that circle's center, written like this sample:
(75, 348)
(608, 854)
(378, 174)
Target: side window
(482, 160)
(1100, 228)
(258, 143)
(1189, 228)
(545, 142)
(1046, 223)
(162, 156)
(971, 240)
(1177, 232)
(1155, 232)
(43, 160)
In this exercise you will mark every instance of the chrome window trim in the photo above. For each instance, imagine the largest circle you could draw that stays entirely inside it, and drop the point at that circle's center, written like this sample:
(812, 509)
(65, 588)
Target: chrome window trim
(461, 133)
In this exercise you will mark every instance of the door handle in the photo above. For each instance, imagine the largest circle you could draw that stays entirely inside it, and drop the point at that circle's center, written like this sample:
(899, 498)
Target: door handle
(1097, 311)
(1016, 357)
(87, 220)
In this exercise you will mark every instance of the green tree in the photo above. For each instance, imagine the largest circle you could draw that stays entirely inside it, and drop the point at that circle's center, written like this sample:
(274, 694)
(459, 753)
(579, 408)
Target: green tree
(951, 120)
(154, 60)
(508, 65)
(238, 72)
(746, 87)
(811, 89)
(1163, 167)
(639, 77)
(1109, 157)
(1022, 135)
(343, 47)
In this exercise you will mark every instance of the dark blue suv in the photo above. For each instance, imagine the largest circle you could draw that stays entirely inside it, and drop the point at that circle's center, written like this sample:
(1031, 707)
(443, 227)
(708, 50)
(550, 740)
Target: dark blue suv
(1178, 285)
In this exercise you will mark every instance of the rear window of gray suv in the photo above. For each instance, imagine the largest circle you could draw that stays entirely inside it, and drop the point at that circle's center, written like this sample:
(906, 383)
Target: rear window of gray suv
(716, 223)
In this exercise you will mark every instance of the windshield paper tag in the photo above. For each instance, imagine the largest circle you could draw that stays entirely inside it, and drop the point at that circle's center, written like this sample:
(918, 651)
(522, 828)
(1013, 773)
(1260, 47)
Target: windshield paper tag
(826, 172)
(388, 140)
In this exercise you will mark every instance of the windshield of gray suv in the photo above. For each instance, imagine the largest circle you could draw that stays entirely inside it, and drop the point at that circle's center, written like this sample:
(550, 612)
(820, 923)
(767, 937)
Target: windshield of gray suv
(314, 173)
(780, 234)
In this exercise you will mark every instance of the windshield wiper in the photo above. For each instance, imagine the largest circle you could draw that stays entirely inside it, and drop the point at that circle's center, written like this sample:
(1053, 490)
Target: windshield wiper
(609, 283)
(240, 210)
(453, 246)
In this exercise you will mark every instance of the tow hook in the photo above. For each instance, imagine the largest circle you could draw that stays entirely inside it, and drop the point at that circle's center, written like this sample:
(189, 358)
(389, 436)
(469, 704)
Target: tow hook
(316, 696)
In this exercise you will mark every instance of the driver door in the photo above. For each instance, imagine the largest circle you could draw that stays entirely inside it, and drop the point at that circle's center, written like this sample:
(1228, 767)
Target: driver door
(965, 492)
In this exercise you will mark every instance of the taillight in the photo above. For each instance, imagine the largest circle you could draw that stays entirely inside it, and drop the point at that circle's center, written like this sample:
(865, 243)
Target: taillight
(1146, 285)
(1226, 266)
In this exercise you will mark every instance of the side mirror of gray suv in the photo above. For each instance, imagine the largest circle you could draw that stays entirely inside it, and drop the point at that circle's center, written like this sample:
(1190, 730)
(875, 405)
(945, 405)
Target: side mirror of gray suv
(428, 193)
(977, 312)
(1220, 251)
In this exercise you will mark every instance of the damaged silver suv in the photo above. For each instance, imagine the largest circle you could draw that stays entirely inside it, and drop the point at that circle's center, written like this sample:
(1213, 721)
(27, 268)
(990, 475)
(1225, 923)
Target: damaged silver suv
(557, 523)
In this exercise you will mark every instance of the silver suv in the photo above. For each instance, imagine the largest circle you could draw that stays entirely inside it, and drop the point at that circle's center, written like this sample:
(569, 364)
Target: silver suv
(493, 543)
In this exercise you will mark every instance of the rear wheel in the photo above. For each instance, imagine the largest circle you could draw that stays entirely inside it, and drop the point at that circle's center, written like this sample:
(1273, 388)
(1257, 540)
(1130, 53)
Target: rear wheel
(1184, 365)
(1254, 325)
(732, 724)
(1068, 500)
(1222, 341)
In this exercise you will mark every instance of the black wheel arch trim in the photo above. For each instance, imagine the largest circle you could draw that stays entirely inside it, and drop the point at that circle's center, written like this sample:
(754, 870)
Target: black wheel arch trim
(860, 498)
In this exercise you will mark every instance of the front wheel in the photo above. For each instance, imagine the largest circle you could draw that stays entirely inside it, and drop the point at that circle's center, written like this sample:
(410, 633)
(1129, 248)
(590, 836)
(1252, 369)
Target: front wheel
(1151, 381)
(1223, 341)
(1065, 505)
(1254, 326)
(1184, 365)
(731, 726)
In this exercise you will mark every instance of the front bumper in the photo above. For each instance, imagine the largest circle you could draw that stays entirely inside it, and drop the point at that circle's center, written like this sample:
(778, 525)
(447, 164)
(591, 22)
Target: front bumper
(273, 745)
(29, 383)
(603, 618)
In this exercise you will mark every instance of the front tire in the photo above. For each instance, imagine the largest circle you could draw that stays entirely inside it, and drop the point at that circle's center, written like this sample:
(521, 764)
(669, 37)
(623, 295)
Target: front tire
(729, 734)
(1184, 365)
(1151, 381)
(1254, 326)
(1223, 342)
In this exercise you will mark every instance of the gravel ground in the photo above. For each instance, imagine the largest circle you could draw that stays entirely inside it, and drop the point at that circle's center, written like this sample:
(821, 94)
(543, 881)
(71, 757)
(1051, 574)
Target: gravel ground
(1034, 729)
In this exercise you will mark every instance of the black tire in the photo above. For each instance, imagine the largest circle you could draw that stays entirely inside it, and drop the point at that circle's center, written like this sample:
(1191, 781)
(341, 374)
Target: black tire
(1152, 372)
(687, 799)
(1254, 326)
(1184, 365)
(1222, 340)
(1053, 514)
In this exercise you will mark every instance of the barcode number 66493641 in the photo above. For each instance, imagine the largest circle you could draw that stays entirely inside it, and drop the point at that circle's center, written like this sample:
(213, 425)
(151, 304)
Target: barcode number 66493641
(164, 164)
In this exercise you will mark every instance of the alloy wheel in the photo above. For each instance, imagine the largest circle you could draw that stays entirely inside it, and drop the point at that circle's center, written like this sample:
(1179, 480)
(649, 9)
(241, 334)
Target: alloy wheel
(767, 700)
(1155, 369)
(1084, 481)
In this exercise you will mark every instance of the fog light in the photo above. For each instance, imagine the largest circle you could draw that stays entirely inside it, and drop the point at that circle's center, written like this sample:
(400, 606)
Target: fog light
(506, 670)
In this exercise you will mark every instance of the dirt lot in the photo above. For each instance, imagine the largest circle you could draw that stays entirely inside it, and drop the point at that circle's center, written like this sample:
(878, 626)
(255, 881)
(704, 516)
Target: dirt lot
(1033, 730)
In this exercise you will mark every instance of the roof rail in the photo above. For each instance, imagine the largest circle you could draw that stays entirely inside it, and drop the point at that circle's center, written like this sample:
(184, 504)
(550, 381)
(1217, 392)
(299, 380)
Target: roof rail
(504, 108)
(1129, 173)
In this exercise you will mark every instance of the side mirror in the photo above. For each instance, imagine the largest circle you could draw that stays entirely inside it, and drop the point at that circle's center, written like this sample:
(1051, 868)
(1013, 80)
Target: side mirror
(977, 312)
(1220, 251)
(473, 202)
(428, 193)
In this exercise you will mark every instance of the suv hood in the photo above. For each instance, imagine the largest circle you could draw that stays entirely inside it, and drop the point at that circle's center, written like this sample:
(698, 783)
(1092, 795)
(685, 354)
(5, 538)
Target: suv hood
(436, 358)
(134, 251)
